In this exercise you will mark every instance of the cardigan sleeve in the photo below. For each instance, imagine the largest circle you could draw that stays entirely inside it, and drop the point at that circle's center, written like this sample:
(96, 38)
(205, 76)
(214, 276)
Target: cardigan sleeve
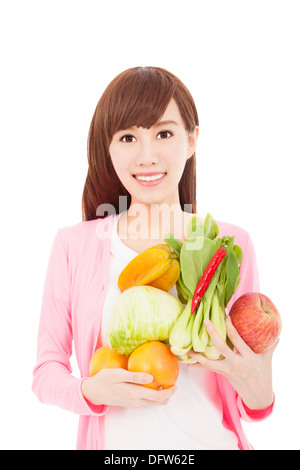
(53, 383)
(249, 283)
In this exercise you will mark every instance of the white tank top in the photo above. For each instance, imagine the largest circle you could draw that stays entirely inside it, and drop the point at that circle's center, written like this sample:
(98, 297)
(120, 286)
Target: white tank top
(192, 419)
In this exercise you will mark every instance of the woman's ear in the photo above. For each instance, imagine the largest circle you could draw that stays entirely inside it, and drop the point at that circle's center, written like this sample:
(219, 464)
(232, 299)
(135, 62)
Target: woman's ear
(193, 137)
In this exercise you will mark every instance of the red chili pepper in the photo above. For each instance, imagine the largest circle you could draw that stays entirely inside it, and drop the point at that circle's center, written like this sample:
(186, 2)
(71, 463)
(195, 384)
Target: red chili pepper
(206, 277)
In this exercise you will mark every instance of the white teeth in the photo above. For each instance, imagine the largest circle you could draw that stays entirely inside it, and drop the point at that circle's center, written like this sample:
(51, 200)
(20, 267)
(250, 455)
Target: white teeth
(150, 178)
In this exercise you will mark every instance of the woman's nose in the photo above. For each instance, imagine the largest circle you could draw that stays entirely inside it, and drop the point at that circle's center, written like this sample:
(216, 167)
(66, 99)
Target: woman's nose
(147, 154)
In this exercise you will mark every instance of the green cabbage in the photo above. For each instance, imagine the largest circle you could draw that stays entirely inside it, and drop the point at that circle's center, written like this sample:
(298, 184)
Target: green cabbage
(141, 314)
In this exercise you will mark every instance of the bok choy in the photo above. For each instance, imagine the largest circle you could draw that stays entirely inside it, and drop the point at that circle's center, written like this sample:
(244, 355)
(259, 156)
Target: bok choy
(195, 254)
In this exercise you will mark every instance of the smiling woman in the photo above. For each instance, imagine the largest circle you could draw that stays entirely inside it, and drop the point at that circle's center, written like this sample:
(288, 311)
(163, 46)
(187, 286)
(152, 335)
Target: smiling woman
(141, 146)
(153, 157)
(128, 117)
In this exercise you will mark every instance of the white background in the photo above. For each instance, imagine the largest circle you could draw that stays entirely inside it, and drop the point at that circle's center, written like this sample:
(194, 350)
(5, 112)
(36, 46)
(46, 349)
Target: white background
(240, 60)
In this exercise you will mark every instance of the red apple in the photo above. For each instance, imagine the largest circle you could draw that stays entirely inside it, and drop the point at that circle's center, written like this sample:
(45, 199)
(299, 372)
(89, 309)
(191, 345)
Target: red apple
(257, 320)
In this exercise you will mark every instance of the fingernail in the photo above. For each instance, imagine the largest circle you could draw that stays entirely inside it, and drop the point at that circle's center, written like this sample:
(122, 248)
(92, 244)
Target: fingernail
(207, 323)
(148, 379)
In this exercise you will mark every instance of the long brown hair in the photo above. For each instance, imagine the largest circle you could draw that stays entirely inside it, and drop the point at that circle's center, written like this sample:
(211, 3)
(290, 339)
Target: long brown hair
(138, 97)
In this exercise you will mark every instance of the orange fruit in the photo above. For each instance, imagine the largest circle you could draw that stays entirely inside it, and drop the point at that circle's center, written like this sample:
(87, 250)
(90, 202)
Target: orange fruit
(106, 358)
(155, 358)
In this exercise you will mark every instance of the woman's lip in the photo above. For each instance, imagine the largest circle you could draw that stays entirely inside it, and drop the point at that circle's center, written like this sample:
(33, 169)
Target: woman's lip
(153, 173)
(150, 183)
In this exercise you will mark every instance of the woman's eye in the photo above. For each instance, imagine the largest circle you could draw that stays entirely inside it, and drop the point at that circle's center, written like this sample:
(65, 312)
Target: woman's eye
(164, 134)
(127, 138)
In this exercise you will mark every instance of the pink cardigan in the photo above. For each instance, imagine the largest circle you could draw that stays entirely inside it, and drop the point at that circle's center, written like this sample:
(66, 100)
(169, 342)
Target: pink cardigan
(73, 298)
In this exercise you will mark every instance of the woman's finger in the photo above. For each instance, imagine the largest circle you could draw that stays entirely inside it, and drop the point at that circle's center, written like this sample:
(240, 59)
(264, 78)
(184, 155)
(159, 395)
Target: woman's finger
(236, 339)
(214, 366)
(119, 375)
(218, 341)
(149, 394)
(196, 365)
(269, 352)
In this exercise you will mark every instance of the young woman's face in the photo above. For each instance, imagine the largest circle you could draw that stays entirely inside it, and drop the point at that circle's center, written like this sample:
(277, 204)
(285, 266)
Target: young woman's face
(162, 149)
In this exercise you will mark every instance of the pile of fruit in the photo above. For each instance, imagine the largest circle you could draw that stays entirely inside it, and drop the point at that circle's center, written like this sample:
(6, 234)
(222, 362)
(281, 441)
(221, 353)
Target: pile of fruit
(149, 331)
(153, 357)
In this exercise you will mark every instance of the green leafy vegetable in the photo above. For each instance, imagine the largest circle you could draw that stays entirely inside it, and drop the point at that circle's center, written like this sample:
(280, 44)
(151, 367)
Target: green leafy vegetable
(193, 260)
(195, 253)
(141, 314)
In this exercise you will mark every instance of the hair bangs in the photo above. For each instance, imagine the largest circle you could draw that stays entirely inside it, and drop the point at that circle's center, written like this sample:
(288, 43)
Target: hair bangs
(139, 100)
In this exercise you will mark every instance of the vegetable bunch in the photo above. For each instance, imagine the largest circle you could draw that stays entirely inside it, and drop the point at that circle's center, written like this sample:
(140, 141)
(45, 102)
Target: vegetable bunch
(209, 276)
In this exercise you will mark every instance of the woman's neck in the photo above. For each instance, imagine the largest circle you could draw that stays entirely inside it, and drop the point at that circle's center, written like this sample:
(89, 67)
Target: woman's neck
(153, 222)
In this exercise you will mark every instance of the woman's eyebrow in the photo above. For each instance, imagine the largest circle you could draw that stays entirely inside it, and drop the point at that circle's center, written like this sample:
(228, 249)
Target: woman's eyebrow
(160, 123)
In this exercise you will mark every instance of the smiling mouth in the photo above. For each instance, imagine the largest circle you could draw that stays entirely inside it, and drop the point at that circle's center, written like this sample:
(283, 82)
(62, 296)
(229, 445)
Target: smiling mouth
(150, 178)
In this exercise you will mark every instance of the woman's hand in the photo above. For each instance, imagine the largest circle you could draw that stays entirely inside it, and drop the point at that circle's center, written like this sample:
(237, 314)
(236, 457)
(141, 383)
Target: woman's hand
(249, 373)
(120, 387)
